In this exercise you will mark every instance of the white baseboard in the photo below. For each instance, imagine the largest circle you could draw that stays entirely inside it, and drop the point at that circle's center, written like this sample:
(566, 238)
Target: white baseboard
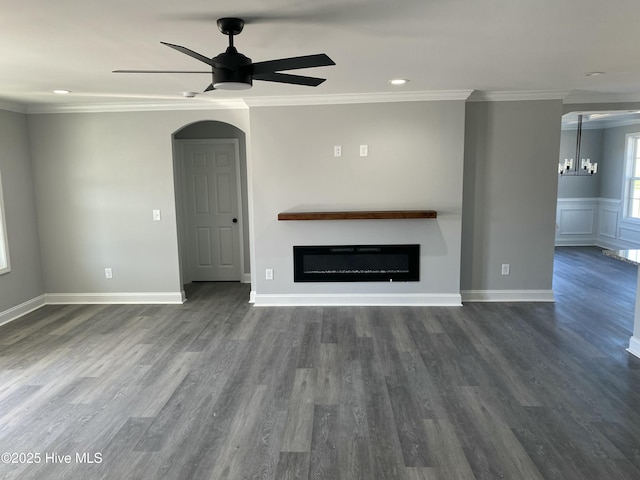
(507, 296)
(115, 298)
(336, 299)
(590, 242)
(22, 309)
(252, 296)
(634, 346)
(90, 298)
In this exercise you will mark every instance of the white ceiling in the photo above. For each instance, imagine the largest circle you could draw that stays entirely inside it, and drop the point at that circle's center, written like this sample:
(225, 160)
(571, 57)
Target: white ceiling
(439, 45)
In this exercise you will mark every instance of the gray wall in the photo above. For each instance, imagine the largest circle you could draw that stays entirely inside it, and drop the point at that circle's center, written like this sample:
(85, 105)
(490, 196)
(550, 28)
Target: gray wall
(590, 147)
(510, 193)
(98, 176)
(415, 161)
(613, 146)
(24, 282)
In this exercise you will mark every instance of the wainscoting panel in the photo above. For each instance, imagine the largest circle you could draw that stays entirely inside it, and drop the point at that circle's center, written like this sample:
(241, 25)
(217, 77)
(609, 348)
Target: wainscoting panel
(576, 220)
(595, 221)
(608, 222)
(629, 232)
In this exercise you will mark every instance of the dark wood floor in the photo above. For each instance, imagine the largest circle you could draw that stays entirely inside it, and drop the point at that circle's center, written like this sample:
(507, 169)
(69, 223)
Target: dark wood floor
(216, 389)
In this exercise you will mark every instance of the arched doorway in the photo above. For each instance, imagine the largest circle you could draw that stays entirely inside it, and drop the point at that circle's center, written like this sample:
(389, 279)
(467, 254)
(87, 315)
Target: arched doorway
(210, 171)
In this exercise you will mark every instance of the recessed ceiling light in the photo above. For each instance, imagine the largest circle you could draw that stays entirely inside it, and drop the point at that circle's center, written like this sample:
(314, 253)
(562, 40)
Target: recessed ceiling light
(593, 74)
(60, 91)
(398, 81)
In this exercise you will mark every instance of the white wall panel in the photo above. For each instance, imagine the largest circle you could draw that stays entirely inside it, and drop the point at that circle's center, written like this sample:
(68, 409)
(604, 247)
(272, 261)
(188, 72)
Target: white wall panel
(595, 221)
(577, 221)
(608, 224)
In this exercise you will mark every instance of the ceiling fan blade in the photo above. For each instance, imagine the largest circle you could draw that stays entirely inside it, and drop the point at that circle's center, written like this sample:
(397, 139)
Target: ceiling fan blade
(307, 61)
(158, 71)
(209, 88)
(191, 53)
(287, 78)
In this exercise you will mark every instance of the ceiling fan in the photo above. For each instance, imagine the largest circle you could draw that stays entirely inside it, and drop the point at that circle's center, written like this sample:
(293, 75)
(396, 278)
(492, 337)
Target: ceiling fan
(232, 70)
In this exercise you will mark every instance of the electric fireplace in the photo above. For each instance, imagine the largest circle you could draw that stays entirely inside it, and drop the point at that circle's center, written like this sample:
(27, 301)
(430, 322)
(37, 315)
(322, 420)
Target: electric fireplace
(356, 263)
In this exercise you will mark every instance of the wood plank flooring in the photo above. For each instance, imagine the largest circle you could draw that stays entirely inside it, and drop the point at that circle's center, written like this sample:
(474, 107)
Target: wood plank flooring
(217, 389)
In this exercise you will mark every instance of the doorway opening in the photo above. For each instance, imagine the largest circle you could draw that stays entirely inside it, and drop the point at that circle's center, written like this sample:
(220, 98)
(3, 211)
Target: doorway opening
(590, 209)
(210, 171)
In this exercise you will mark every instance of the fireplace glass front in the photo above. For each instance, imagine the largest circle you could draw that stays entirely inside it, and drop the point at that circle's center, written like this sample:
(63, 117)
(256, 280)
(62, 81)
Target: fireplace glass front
(356, 263)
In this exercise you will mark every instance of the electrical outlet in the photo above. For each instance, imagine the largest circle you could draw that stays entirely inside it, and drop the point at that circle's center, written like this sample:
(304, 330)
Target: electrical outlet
(108, 273)
(506, 268)
(364, 150)
(269, 273)
(337, 150)
(156, 215)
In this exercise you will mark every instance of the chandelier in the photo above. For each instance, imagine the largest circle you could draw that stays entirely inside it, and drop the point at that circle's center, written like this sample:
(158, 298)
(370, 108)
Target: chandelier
(570, 167)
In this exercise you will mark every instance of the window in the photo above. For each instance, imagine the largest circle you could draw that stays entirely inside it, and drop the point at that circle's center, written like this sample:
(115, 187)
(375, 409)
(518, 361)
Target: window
(4, 246)
(632, 176)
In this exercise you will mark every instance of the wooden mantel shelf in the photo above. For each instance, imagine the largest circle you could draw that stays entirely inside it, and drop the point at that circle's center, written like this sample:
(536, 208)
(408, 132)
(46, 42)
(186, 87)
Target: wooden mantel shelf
(359, 215)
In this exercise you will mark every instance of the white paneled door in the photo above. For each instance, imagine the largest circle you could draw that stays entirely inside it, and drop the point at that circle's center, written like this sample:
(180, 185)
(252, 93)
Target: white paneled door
(212, 204)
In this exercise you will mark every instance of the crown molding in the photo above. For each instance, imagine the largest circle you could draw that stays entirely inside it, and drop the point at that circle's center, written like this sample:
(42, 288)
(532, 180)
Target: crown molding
(425, 96)
(186, 104)
(621, 123)
(514, 96)
(602, 124)
(568, 98)
(600, 97)
(239, 103)
(12, 107)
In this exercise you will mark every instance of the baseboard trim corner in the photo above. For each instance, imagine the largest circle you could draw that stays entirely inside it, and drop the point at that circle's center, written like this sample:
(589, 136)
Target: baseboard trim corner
(507, 296)
(22, 309)
(634, 346)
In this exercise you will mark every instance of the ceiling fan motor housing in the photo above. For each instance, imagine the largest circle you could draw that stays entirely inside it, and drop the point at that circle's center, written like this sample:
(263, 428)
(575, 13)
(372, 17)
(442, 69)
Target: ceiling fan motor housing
(232, 68)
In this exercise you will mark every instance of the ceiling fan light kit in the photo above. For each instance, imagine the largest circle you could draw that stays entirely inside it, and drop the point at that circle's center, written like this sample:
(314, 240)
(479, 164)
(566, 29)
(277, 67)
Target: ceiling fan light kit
(231, 70)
